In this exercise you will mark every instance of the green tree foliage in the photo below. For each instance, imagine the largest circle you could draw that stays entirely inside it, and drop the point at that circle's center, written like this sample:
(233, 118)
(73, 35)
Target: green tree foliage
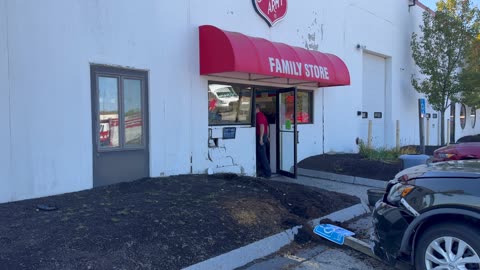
(441, 50)
(470, 76)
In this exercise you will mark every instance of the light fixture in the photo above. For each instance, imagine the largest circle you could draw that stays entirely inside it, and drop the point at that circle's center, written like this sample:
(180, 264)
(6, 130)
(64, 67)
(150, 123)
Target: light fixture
(360, 46)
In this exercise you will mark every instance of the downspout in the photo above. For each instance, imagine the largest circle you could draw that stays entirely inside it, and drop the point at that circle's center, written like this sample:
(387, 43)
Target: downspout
(323, 120)
(9, 81)
(414, 3)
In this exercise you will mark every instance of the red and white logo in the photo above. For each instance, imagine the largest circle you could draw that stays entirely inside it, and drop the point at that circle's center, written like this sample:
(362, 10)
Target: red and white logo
(272, 11)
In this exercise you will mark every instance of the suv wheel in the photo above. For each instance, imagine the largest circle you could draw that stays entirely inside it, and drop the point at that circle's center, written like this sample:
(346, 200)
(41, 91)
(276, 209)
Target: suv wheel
(448, 246)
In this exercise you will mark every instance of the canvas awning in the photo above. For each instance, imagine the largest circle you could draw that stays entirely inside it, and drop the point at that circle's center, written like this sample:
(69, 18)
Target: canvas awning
(235, 55)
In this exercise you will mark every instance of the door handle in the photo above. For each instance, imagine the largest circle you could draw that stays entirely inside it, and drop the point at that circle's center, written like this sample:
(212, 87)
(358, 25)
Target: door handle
(298, 137)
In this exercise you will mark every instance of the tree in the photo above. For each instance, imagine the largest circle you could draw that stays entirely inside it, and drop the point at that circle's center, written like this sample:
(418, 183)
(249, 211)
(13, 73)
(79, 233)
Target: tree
(470, 76)
(441, 52)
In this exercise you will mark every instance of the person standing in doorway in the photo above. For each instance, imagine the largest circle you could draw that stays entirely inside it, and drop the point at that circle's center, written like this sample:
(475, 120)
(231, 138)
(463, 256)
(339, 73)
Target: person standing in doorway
(263, 140)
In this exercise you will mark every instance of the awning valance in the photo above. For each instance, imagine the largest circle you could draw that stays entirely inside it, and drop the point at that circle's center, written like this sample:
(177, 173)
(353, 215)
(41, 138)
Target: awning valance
(234, 55)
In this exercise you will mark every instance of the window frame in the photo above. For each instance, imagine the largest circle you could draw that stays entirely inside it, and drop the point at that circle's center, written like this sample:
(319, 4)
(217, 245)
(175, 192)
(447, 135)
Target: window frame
(310, 107)
(473, 116)
(253, 102)
(463, 121)
(120, 74)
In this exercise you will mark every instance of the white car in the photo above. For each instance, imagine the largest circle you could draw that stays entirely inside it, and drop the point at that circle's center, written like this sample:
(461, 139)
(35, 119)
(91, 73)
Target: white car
(223, 93)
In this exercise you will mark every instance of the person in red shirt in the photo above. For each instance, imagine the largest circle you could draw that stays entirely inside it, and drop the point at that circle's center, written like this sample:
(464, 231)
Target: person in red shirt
(262, 131)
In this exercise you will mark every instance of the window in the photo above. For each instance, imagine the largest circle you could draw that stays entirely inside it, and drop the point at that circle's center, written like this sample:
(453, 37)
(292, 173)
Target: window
(473, 115)
(304, 107)
(120, 112)
(229, 104)
(108, 101)
(463, 115)
(132, 89)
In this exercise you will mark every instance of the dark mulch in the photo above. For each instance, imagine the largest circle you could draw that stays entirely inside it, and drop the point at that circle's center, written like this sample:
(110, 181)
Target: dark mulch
(166, 223)
(357, 165)
(352, 164)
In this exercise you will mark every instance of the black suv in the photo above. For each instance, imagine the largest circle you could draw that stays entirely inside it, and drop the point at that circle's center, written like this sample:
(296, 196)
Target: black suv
(430, 217)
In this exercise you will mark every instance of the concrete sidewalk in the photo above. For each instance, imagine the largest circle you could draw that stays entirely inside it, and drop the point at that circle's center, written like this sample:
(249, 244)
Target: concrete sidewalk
(342, 178)
(245, 255)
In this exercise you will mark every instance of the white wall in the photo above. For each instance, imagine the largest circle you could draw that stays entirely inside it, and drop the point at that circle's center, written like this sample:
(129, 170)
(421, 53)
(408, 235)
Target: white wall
(51, 47)
(405, 98)
(5, 178)
(310, 141)
(46, 98)
(50, 101)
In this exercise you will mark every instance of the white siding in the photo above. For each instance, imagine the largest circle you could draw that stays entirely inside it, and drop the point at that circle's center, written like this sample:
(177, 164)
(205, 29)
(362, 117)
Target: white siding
(374, 90)
(5, 178)
(46, 49)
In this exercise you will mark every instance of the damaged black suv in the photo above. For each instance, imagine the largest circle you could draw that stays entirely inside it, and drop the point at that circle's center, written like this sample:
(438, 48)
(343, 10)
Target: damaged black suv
(430, 217)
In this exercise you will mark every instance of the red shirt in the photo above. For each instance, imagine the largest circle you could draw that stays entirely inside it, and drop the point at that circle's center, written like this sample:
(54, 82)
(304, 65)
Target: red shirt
(261, 119)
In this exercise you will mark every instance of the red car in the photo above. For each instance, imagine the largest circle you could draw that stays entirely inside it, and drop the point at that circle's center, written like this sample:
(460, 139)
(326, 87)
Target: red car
(459, 151)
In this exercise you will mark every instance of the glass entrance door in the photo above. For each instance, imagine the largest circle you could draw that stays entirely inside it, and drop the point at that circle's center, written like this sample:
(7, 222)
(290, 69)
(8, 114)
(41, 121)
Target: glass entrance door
(287, 132)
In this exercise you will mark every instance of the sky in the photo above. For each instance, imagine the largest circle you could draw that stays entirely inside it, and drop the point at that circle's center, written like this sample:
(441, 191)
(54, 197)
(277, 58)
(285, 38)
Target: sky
(431, 3)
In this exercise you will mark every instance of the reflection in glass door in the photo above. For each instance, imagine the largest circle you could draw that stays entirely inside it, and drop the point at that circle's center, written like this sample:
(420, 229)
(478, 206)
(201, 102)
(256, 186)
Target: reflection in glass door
(108, 111)
(133, 115)
(287, 132)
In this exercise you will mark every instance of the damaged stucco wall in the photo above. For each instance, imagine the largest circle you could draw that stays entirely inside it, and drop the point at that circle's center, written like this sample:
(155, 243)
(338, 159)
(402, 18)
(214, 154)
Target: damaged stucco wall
(232, 155)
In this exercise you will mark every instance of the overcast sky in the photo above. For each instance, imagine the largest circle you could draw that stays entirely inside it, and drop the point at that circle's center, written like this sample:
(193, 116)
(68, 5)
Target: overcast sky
(431, 3)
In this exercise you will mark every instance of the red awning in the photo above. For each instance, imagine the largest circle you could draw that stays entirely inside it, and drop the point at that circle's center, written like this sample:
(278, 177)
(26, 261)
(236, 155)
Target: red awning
(234, 55)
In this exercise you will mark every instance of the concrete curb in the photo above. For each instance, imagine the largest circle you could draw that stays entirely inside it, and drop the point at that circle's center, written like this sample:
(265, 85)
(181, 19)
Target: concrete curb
(241, 256)
(343, 178)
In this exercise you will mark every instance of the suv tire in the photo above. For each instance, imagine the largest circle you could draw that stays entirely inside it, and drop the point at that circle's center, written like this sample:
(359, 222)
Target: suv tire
(436, 239)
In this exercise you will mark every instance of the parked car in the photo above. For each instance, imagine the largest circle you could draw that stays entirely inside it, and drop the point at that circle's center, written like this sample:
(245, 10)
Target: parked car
(459, 151)
(429, 217)
(104, 133)
(469, 138)
(224, 94)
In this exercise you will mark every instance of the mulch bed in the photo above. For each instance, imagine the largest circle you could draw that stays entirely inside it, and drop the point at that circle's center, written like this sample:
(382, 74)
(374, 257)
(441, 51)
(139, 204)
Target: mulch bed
(352, 164)
(165, 223)
(357, 165)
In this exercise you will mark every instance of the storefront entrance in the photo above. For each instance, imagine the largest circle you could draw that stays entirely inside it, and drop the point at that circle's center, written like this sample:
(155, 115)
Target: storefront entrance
(119, 117)
(280, 109)
(226, 56)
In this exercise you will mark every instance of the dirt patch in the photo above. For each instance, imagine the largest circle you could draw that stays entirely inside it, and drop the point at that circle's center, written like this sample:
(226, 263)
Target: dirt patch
(165, 223)
(352, 164)
(428, 148)
(251, 211)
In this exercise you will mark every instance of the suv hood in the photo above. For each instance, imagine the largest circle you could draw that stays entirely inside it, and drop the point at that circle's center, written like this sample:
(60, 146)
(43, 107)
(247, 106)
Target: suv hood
(457, 168)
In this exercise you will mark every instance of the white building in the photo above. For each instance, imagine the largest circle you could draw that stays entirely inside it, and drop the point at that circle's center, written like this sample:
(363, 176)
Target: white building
(97, 92)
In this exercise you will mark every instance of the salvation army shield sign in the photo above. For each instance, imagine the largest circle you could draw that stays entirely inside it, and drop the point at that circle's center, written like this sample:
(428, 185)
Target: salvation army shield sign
(272, 11)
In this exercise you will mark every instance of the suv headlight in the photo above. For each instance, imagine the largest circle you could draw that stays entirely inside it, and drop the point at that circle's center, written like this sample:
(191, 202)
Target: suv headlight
(399, 191)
